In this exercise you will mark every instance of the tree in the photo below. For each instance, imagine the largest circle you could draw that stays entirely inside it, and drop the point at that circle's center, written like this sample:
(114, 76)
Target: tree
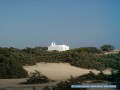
(107, 48)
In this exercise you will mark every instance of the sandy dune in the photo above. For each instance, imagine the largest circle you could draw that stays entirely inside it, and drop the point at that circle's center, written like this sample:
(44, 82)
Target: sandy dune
(59, 71)
(55, 71)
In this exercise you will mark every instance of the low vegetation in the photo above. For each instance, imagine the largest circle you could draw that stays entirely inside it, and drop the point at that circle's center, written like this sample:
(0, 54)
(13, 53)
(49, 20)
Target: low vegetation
(36, 78)
(11, 68)
(114, 79)
(107, 48)
(12, 59)
(85, 57)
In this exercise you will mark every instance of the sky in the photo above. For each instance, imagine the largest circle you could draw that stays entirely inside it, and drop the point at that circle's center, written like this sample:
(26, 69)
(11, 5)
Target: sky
(77, 23)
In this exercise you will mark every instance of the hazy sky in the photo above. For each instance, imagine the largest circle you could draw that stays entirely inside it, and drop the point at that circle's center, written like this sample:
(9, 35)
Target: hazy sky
(77, 23)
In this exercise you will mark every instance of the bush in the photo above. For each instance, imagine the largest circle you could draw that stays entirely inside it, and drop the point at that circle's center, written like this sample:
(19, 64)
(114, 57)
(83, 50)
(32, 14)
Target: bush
(10, 68)
(107, 48)
(37, 78)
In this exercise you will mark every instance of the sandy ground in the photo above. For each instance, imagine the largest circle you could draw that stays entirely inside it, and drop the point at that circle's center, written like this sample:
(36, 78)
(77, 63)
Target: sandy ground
(14, 84)
(59, 71)
(10, 82)
(55, 71)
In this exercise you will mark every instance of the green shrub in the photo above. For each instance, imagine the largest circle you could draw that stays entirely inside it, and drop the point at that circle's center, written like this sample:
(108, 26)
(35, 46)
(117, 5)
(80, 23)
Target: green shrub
(10, 68)
(37, 78)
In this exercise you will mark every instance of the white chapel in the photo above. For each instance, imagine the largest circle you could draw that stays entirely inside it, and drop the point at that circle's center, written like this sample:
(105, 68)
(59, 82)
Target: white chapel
(58, 47)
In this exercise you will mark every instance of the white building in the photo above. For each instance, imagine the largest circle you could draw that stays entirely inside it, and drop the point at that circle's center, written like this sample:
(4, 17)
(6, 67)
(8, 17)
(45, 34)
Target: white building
(58, 47)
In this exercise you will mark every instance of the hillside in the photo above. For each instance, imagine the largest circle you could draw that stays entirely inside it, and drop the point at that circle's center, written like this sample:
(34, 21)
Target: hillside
(86, 57)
